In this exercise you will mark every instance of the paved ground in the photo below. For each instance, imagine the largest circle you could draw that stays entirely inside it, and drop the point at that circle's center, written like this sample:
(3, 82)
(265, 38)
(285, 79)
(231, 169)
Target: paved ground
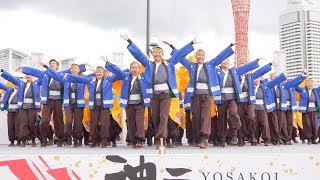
(123, 149)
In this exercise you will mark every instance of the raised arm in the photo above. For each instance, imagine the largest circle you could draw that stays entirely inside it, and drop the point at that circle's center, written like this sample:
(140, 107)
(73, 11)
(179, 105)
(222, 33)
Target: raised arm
(33, 72)
(261, 71)
(135, 51)
(181, 53)
(174, 50)
(276, 81)
(227, 52)
(90, 75)
(187, 64)
(38, 82)
(115, 70)
(295, 81)
(10, 77)
(77, 79)
(299, 89)
(53, 74)
(248, 67)
(4, 87)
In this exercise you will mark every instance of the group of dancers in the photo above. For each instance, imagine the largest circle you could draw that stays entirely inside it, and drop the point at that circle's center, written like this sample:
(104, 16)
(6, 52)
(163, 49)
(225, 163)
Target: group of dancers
(218, 103)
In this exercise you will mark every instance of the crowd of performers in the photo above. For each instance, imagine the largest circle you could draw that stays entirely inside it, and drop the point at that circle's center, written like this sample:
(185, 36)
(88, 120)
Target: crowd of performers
(214, 102)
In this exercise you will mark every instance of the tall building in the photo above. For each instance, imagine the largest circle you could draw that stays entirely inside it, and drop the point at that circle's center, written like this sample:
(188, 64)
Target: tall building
(300, 38)
(11, 59)
(241, 9)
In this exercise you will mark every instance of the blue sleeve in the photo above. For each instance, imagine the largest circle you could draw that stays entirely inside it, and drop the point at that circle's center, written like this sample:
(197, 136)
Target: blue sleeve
(264, 81)
(261, 71)
(299, 89)
(294, 82)
(114, 78)
(138, 55)
(4, 87)
(248, 67)
(115, 70)
(90, 75)
(276, 81)
(181, 53)
(38, 82)
(78, 79)
(55, 75)
(174, 50)
(33, 72)
(186, 63)
(227, 52)
(10, 78)
(82, 67)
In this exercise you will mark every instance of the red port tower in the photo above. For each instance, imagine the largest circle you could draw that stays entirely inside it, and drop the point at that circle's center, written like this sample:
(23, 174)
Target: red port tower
(241, 10)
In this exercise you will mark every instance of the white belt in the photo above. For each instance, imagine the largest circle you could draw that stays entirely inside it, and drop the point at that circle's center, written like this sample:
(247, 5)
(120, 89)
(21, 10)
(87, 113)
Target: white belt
(54, 93)
(245, 94)
(259, 101)
(161, 87)
(13, 106)
(228, 90)
(98, 96)
(202, 86)
(312, 104)
(28, 100)
(73, 95)
(134, 97)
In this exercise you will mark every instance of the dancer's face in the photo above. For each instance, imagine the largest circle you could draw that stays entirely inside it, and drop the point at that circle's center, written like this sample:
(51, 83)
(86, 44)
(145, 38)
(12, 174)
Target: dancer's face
(134, 69)
(99, 73)
(225, 63)
(75, 69)
(200, 56)
(53, 65)
(157, 54)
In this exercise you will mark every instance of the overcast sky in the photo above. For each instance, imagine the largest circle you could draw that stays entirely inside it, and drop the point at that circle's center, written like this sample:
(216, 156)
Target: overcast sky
(88, 29)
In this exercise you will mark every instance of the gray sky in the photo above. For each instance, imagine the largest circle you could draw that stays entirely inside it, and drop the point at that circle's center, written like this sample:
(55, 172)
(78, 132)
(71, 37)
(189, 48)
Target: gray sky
(87, 28)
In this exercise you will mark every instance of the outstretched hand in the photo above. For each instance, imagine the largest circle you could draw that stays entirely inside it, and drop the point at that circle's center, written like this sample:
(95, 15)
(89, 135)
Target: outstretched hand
(195, 41)
(166, 42)
(124, 37)
(105, 58)
(41, 63)
(16, 69)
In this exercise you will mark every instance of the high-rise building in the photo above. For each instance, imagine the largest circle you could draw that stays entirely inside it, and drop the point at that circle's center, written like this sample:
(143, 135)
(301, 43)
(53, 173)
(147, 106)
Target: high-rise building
(300, 38)
(11, 59)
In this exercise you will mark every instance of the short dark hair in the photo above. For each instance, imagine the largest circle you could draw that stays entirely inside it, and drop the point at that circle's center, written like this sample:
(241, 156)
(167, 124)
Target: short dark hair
(200, 50)
(54, 61)
(157, 47)
(74, 64)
